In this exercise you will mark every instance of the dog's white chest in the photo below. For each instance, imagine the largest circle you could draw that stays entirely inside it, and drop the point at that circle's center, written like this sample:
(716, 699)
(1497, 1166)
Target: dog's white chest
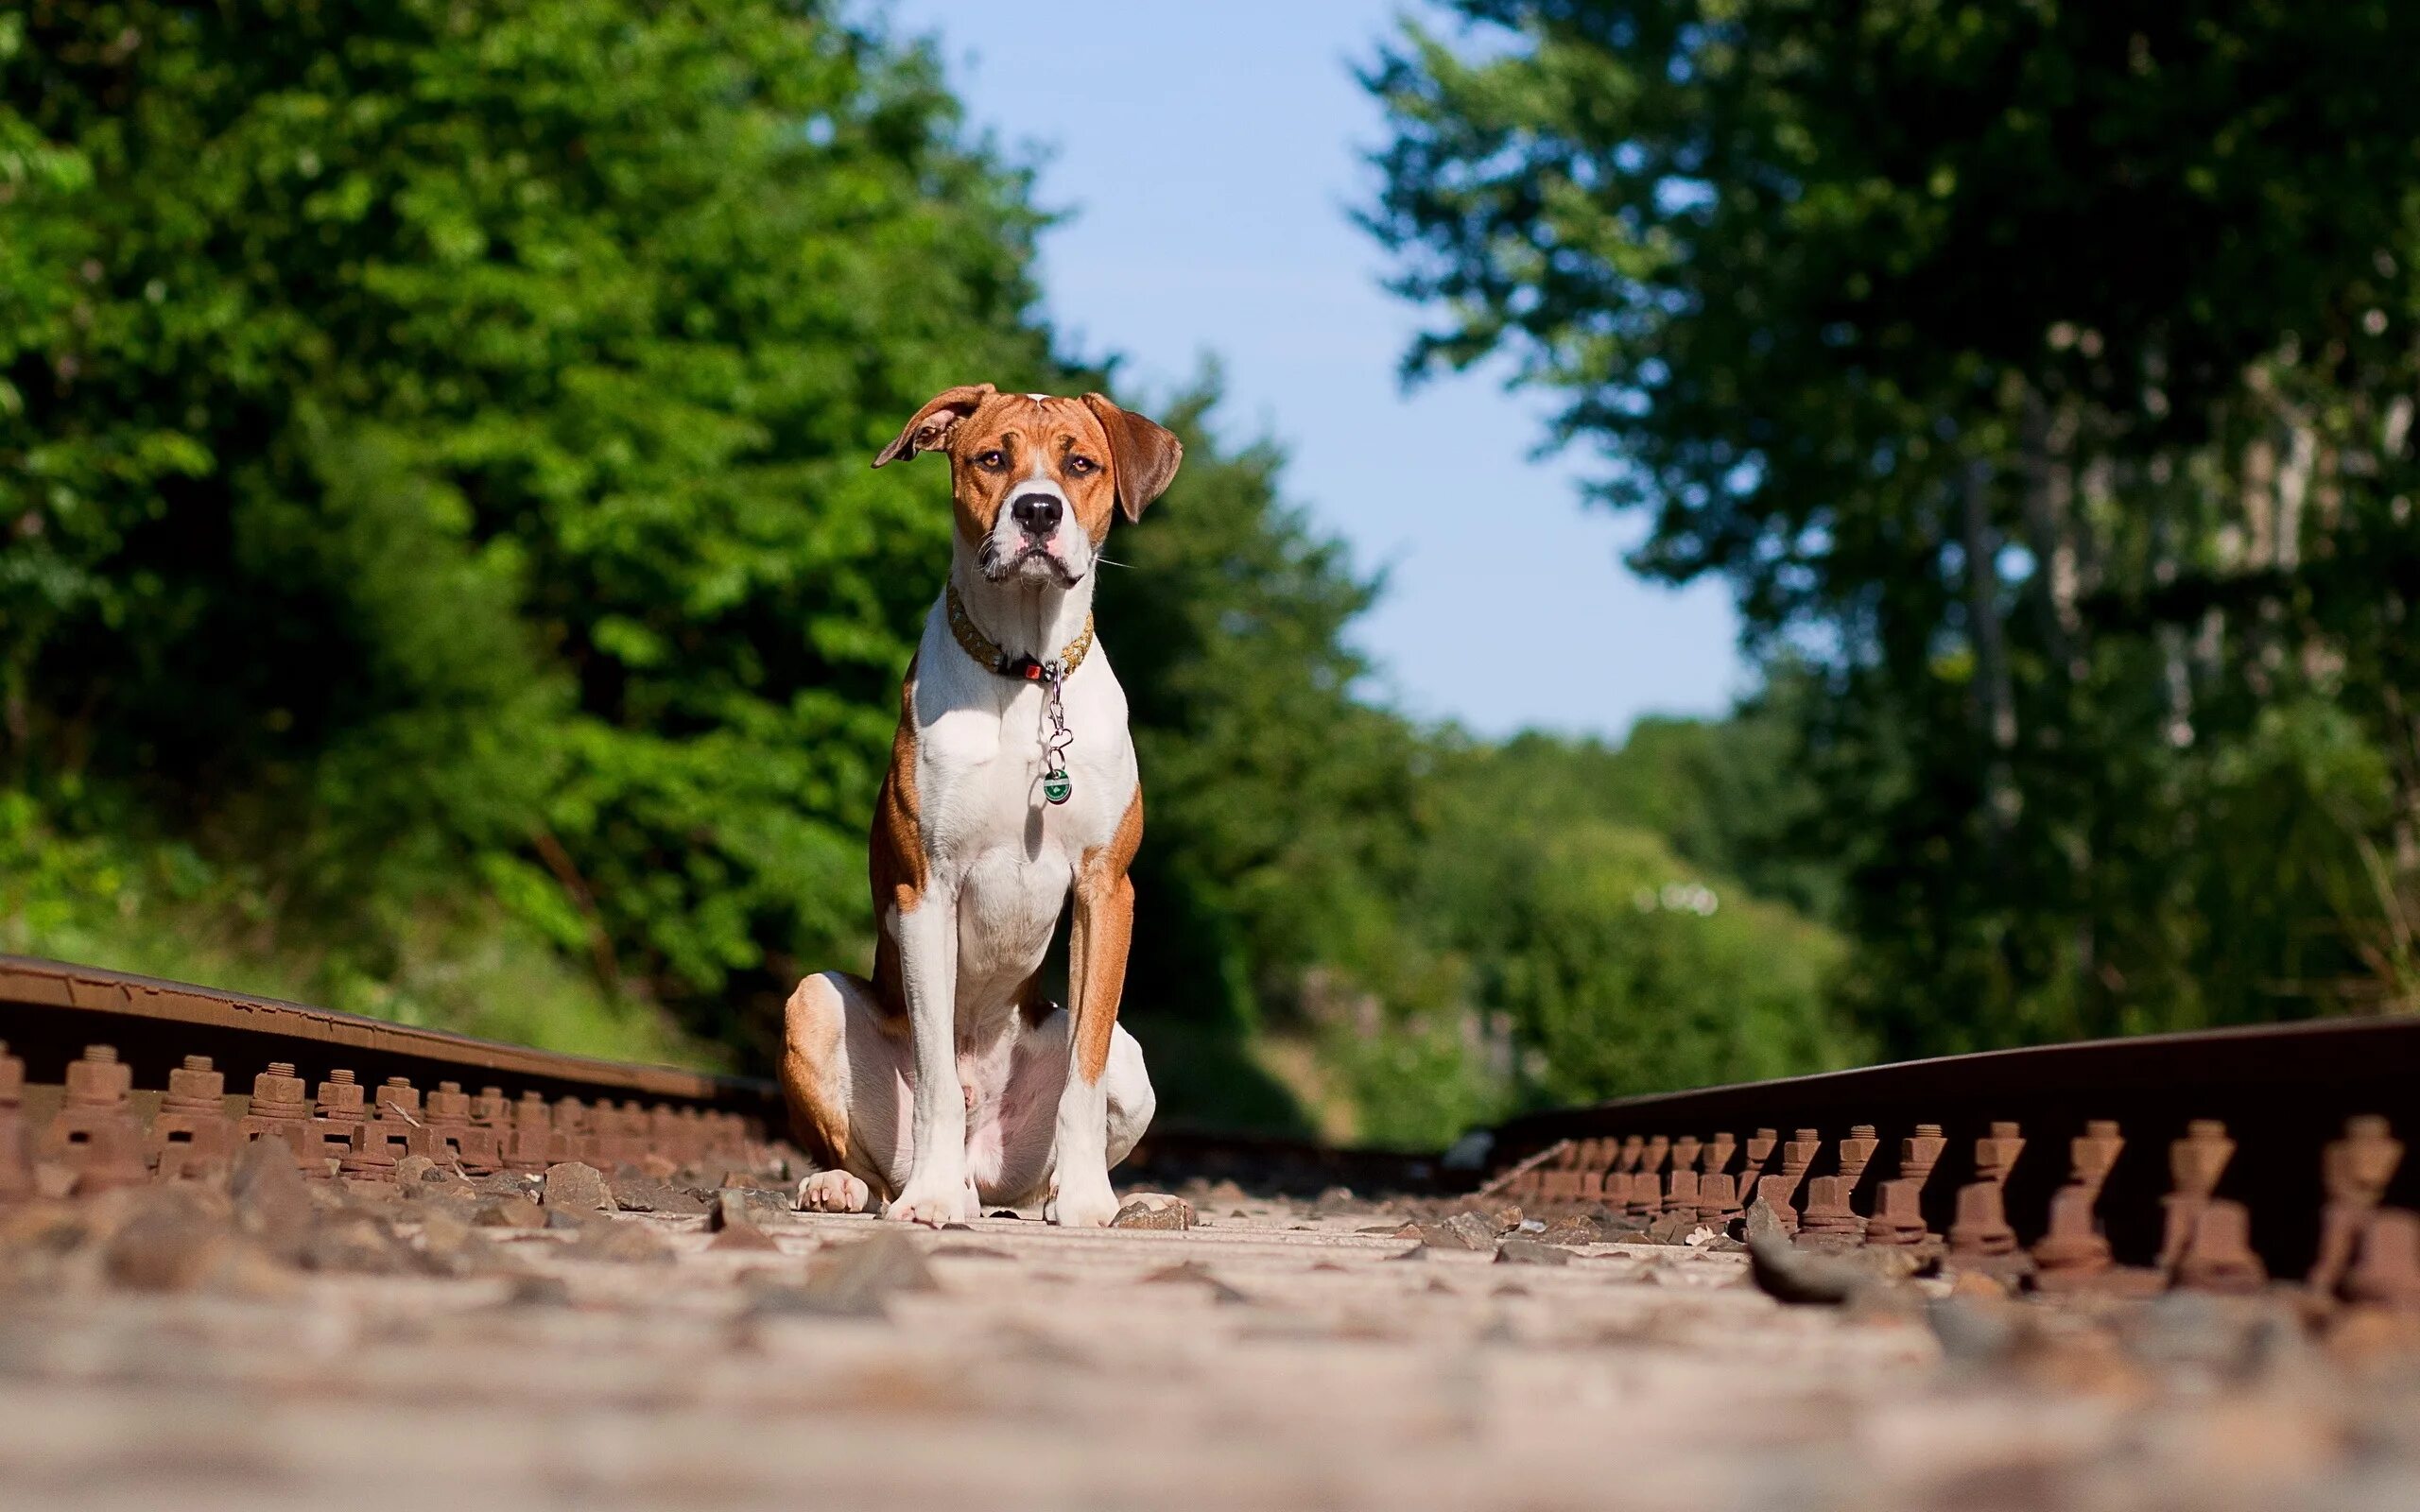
(1007, 855)
(981, 768)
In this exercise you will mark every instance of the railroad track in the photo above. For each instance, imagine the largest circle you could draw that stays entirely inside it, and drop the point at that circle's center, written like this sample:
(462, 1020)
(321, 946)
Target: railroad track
(2211, 1161)
(108, 1078)
(2215, 1162)
(227, 1067)
(626, 1304)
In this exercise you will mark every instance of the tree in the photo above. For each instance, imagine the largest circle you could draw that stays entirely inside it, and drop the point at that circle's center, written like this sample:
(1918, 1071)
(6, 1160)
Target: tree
(2039, 373)
(438, 445)
(446, 426)
(1277, 803)
(442, 575)
(1619, 965)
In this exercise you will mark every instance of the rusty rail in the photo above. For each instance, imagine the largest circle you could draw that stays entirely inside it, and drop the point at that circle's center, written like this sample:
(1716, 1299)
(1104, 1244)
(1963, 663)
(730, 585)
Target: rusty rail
(2213, 1161)
(118, 1076)
(108, 1078)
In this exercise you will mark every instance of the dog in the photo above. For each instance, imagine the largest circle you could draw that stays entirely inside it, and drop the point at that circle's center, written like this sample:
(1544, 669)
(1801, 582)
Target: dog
(948, 1082)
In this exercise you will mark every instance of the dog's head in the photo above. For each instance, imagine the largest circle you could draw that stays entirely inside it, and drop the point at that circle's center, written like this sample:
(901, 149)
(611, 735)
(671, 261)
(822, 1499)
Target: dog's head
(1035, 477)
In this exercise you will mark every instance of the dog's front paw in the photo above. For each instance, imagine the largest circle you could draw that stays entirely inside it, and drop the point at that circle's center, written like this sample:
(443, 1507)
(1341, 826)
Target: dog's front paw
(1081, 1203)
(833, 1191)
(933, 1204)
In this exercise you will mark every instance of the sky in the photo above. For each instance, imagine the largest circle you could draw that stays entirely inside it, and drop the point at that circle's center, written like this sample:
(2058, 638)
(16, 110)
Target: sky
(1207, 159)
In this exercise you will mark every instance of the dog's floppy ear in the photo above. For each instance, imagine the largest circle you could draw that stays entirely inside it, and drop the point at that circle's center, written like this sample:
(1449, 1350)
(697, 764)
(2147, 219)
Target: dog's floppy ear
(1143, 455)
(930, 429)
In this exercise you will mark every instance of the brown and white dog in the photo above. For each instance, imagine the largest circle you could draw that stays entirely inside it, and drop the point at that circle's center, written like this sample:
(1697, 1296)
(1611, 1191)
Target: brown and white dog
(947, 1081)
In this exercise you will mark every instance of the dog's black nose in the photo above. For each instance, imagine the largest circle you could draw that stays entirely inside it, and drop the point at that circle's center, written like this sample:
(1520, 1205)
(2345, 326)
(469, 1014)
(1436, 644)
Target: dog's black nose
(1037, 512)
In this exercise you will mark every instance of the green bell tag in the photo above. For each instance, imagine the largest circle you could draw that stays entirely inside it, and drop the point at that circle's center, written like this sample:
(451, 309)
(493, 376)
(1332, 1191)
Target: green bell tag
(1056, 784)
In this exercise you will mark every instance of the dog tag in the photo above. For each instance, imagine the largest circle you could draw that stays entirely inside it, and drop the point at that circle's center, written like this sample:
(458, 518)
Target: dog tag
(1056, 786)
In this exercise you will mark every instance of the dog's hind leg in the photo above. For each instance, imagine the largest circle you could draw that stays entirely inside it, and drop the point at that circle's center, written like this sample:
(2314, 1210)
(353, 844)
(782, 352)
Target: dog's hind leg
(843, 1075)
(1030, 1109)
(1132, 1101)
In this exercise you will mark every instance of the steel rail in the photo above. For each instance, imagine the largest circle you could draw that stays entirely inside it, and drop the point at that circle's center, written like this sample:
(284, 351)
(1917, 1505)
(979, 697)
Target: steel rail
(109, 1079)
(50, 1010)
(2209, 1155)
(2280, 1095)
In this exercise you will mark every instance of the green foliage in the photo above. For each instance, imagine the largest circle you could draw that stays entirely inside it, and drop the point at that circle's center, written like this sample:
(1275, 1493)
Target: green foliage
(165, 910)
(1316, 868)
(1629, 981)
(442, 579)
(1276, 802)
(1279, 783)
(1726, 796)
(1620, 967)
(447, 426)
(1551, 945)
(2039, 377)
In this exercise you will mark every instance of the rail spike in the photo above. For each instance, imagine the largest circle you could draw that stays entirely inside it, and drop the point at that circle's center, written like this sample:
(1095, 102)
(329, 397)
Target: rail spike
(2354, 1170)
(1898, 1208)
(2074, 1254)
(16, 1150)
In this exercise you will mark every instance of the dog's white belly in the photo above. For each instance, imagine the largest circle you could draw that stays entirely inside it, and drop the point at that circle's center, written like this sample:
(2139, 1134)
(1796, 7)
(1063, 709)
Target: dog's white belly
(1013, 1087)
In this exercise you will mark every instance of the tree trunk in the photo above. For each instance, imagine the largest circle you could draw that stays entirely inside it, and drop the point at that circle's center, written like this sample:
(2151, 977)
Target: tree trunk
(2048, 444)
(1996, 700)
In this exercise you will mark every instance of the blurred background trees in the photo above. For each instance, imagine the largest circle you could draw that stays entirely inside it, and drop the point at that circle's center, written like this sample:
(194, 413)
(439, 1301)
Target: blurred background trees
(2041, 376)
(440, 573)
(435, 440)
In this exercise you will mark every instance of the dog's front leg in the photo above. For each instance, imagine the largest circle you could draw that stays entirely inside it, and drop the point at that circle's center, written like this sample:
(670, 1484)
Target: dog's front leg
(936, 1191)
(1097, 944)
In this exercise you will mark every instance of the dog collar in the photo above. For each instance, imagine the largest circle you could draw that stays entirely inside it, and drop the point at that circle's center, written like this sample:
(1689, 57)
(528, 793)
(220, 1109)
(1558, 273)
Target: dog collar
(1024, 668)
(1056, 784)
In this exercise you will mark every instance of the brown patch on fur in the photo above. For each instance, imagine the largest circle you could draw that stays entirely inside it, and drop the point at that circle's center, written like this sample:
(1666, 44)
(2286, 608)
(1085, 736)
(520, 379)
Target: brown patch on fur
(1097, 943)
(1145, 454)
(929, 428)
(896, 858)
(809, 1047)
(1120, 852)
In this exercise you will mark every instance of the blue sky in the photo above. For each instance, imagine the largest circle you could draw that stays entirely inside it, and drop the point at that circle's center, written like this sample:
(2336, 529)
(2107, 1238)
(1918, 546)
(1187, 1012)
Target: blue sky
(1208, 156)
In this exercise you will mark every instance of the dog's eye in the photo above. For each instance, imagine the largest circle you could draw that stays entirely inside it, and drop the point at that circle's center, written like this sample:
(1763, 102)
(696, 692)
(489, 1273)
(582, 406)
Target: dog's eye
(1081, 465)
(992, 461)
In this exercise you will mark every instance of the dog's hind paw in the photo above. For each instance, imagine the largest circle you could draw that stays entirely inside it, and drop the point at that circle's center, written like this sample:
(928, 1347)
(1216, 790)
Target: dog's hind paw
(833, 1191)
